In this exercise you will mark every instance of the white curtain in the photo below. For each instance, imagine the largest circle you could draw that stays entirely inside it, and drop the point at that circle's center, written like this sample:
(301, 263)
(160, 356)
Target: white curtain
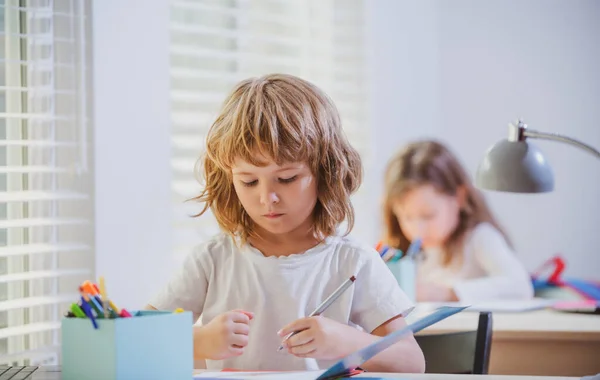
(45, 180)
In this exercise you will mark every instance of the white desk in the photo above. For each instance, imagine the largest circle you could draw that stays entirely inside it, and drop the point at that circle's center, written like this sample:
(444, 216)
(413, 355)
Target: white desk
(459, 377)
(53, 373)
(411, 376)
(542, 342)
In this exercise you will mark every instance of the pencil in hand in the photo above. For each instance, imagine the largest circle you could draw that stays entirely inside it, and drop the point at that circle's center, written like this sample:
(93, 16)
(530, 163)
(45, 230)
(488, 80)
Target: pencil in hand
(324, 305)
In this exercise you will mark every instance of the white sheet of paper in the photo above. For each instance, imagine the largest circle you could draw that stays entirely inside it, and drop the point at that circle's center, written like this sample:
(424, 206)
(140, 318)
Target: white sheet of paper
(500, 306)
(513, 306)
(285, 375)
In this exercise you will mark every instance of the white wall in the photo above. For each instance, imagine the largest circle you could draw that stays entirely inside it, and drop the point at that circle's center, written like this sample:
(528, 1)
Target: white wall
(132, 147)
(445, 69)
(462, 70)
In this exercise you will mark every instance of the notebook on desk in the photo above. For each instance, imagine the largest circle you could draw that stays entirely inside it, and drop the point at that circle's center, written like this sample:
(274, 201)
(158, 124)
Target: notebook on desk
(348, 366)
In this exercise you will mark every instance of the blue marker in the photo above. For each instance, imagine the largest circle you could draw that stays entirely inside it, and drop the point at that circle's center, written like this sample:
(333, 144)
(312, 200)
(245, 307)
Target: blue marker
(87, 309)
(383, 251)
(411, 253)
(387, 253)
(414, 248)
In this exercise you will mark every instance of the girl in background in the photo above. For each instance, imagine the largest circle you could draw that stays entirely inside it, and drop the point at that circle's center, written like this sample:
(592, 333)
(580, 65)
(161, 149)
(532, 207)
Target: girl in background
(467, 257)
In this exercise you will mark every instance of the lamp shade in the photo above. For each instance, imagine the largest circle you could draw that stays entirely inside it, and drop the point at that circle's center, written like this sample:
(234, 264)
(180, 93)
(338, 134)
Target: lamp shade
(514, 166)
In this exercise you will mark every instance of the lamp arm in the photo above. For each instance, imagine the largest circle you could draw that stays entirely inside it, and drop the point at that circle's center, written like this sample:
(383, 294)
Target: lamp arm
(561, 138)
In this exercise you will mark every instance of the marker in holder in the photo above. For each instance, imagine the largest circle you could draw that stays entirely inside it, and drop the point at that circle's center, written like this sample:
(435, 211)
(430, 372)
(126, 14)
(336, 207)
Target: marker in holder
(403, 266)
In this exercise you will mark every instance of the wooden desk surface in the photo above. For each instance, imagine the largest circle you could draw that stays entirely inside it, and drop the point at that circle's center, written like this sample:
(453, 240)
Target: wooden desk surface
(541, 342)
(538, 324)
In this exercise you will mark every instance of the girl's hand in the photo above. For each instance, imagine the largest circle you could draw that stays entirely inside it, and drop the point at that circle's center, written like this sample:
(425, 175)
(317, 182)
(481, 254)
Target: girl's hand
(430, 292)
(318, 337)
(225, 336)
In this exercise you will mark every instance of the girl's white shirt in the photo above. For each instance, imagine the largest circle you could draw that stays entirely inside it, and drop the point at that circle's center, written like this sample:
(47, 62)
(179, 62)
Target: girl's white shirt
(487, 269)
(218, 276)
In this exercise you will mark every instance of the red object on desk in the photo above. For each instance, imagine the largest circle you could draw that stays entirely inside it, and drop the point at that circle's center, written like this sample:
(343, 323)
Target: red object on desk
(559, 267)
(589, 290)
(124, 314)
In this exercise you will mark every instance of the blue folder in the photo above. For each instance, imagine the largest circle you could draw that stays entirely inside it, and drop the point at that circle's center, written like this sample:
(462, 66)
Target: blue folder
(354, 360)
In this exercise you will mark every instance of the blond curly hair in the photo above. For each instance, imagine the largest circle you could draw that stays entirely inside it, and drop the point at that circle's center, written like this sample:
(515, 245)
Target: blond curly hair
(287, 119)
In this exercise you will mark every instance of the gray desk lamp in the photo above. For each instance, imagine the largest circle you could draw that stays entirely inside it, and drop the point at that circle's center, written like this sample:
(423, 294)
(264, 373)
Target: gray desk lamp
(514, 165)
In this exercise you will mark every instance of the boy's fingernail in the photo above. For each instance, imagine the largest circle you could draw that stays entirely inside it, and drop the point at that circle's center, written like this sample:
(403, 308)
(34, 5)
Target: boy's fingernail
(279, 332)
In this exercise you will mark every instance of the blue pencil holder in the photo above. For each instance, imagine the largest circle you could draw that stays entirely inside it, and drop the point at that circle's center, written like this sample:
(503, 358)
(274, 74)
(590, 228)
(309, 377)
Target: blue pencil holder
(149, 345)
(405, 272)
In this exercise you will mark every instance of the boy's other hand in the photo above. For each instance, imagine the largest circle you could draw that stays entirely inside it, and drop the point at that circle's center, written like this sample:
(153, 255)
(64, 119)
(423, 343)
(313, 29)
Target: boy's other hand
(225, 336)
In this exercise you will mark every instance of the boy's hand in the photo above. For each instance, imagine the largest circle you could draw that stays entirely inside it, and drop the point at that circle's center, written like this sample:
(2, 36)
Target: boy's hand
(225, 336)
(318, 337)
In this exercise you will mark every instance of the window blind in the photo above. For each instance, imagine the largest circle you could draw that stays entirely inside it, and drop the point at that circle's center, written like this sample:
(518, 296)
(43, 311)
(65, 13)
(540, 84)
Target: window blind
(45, 182)
(216, 43)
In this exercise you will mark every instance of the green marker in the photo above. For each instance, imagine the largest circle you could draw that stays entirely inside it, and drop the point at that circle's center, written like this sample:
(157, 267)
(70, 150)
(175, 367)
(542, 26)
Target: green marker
(77, 311)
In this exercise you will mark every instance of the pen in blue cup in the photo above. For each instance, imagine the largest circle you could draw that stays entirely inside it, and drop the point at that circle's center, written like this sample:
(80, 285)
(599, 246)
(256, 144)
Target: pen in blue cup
(388, 253)
(385, 251)
(414, 248)
(87, 309)
(93, 302)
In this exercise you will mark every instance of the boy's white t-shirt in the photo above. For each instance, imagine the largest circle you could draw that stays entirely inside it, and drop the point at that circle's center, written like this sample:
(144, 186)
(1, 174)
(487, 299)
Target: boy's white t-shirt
(486, 269)
(218, 277)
